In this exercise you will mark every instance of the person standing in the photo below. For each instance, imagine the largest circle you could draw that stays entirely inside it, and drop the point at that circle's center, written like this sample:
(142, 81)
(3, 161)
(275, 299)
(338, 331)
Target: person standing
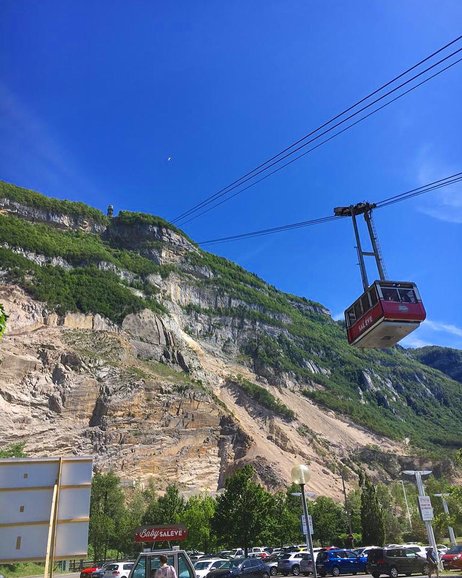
(165, 571)
(432, 562)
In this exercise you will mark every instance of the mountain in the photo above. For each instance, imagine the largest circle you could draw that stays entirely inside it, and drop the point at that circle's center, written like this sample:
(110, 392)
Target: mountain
(445, 359)
(126, 341)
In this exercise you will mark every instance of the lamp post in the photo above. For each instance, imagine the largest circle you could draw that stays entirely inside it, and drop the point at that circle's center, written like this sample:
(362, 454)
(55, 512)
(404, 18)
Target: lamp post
(452, 536)
(300, 475)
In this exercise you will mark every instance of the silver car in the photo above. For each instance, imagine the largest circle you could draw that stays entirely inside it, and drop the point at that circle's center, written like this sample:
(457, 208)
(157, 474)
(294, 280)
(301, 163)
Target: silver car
(290, 563)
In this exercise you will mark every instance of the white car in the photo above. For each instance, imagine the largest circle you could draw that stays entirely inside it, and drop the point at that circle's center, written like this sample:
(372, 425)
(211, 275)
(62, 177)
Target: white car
(118, 570)
(203, 567)
(420, 550)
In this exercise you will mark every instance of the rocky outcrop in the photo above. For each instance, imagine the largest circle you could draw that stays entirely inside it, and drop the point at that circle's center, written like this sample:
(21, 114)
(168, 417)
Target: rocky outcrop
(158, 243)
(53, 217)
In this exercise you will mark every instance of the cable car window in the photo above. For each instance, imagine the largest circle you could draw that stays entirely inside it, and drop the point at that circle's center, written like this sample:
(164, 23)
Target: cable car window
(373, 296)
(407, 296)
(365, 302)
(358, 309)
(350, 317)
(390, 294)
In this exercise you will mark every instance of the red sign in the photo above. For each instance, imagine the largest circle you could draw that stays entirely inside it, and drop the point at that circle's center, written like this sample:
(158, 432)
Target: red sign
(161, 533)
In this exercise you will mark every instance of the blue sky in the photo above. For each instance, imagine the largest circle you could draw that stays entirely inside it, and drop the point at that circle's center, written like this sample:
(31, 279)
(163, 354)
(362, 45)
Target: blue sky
(153, 105)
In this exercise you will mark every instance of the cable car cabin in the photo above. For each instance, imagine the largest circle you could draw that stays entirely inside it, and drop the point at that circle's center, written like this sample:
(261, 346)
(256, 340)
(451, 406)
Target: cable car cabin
(384, 314)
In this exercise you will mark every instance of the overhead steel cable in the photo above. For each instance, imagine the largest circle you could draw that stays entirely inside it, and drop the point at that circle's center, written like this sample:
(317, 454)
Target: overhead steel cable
(455, 178)
(323, 142)
(274, 160)
(440, 183)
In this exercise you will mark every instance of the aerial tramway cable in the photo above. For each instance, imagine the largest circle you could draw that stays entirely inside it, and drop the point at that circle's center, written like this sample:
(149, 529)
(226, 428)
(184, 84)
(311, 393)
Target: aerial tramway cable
(276, 159)
(434, 185)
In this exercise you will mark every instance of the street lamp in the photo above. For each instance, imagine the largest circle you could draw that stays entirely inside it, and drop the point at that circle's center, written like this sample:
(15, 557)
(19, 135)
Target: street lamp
(300, 475)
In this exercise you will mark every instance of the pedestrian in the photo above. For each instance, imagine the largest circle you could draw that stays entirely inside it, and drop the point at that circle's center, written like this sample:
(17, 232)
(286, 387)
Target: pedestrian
(165, 571)
(432, 563)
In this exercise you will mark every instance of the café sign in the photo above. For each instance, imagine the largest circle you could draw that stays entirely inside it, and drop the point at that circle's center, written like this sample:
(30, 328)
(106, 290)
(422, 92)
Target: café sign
(161, 533)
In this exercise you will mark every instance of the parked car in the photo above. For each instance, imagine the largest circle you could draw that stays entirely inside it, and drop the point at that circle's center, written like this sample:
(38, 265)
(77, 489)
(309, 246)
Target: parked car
(87, 572)
(99, 573)
(452, 560)
(290, 563)
(245, 567)
(340, 561)
(272, 562)
(203, 567)
(118, 569)
(149, 561)
(363, 550)
(395, 561)
(420, 550)
(442, 549)
(306, 564)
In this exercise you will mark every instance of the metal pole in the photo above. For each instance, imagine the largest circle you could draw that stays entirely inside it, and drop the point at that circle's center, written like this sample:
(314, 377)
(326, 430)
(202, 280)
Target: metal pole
(362, 265)
(375, 245)
(409, 517)
(452, 536)
(428, 524)
(347, 510)
(309, 539)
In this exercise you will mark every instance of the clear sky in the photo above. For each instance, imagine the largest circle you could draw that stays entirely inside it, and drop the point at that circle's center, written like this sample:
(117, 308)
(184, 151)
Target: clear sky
(153, 105)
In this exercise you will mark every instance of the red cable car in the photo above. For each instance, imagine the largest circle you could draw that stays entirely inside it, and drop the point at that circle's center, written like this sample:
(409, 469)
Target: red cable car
(384, 314)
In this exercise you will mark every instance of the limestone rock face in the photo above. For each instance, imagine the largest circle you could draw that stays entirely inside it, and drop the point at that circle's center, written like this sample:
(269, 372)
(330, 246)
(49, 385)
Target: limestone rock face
(150, 401)
(62, 220)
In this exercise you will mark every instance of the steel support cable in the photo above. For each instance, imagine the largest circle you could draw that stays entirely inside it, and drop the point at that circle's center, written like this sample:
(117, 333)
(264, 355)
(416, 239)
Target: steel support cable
(455, 178)
(199, 205)
(447, 181)
(323, 142)
(268, 164)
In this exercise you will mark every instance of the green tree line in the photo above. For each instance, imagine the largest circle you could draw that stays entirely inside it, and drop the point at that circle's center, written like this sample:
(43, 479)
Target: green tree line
(245, 514)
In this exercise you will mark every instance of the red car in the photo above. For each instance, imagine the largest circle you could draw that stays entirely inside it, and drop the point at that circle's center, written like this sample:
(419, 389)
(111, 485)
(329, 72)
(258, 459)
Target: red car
(452, 560)
(87, 572)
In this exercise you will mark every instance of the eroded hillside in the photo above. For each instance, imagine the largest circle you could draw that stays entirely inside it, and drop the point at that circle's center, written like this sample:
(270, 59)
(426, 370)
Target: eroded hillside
(126, 341)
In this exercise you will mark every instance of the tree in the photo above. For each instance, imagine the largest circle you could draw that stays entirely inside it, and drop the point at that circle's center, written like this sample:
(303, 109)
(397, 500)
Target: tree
(131, 519)
(329, 520)
(106, 511)
(166, 509)
(372, 525)
(197, 517)
(243, 511)
(284, 521)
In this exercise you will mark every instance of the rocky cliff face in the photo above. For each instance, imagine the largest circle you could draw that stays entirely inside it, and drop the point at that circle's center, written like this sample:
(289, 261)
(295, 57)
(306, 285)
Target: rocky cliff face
(169, 363)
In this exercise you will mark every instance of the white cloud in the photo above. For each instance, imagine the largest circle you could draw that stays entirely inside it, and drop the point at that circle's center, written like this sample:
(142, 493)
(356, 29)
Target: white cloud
(338, 316)
(443, 327)
(444, 204)
(413, 342)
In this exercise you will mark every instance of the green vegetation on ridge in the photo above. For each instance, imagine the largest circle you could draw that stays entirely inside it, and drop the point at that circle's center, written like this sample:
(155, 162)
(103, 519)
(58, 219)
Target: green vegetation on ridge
(39, 201)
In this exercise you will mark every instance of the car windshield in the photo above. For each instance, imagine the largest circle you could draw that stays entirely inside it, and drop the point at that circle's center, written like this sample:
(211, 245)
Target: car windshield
(454, 550)
(236, 562)
(201, 565)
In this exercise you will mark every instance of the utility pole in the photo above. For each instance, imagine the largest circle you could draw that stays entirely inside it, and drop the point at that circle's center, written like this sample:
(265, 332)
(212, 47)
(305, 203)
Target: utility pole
(452, 536)
(409, 517)
(347, 509)
(426, 510)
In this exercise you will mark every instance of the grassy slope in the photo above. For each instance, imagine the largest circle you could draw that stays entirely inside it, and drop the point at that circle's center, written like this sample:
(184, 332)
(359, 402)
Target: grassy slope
(406, 396)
